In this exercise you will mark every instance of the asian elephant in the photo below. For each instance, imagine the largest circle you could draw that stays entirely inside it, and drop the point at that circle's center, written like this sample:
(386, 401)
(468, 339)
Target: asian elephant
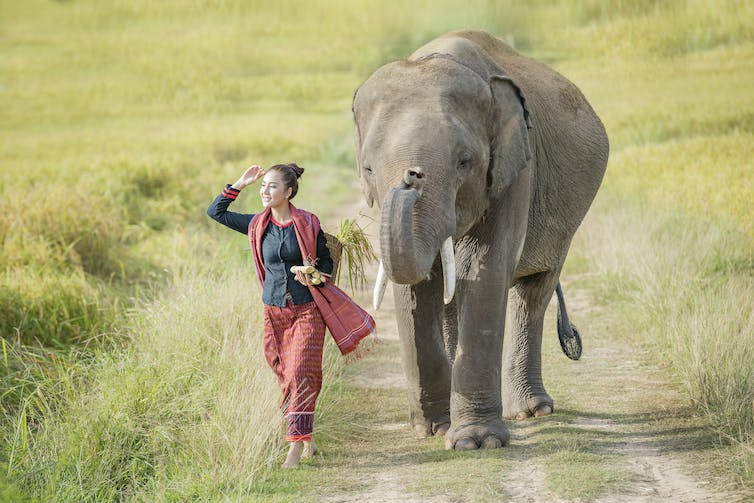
(470, 147)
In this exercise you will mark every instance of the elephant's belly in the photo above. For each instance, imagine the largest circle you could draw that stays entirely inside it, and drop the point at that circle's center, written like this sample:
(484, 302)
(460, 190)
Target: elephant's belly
(544, 250)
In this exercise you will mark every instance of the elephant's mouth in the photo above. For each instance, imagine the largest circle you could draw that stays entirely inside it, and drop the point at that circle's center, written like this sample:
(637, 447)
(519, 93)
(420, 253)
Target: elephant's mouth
(448, 259)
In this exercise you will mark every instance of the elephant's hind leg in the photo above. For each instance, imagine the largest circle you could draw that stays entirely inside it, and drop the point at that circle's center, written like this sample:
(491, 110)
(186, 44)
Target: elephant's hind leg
(524, 393)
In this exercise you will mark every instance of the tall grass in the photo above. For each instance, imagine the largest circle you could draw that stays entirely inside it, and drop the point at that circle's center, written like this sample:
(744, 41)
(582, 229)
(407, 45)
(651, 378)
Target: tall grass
(647, 29)
(682, 286)
(669, 243)
(188, 409)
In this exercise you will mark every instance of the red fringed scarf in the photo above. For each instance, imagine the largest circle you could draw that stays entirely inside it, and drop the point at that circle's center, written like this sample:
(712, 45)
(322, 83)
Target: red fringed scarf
(347, 322)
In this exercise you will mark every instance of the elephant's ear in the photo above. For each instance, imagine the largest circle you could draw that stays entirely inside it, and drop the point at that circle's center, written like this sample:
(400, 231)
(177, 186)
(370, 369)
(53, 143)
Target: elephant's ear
(365, 188)
(509, 137)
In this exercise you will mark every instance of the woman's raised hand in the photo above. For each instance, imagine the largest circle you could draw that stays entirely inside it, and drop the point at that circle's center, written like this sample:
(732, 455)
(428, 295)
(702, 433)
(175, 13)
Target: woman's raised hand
(251, 175)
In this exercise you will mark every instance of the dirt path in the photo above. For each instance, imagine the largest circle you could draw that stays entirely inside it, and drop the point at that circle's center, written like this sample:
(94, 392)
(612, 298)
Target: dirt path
(620, 432)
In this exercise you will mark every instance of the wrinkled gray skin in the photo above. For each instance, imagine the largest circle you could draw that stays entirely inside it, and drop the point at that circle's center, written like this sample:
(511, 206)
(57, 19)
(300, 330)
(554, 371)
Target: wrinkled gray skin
(443, 146)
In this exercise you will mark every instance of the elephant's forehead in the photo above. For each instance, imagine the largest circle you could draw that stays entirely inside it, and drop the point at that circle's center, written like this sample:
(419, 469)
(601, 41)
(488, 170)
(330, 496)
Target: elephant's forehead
(428, 156)
(436, 81)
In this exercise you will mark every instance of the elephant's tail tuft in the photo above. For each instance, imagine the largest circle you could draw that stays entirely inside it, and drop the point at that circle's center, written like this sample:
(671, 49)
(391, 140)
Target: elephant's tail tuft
(570, 339)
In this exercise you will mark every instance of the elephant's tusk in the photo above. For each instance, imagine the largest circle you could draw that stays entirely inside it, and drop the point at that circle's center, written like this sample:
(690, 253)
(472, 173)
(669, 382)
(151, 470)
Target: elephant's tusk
(448, 257)
(379, 287)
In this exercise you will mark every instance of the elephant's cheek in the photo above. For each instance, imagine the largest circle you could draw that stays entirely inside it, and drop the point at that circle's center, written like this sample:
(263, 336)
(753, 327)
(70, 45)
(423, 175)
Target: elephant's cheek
(471, 203)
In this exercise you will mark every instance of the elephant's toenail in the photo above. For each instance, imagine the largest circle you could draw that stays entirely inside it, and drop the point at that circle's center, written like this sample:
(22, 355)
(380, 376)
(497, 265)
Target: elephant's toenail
(441, 429)
(491, 443)
(466, 444)
(422, 430)
(543, 410)
(522, 415)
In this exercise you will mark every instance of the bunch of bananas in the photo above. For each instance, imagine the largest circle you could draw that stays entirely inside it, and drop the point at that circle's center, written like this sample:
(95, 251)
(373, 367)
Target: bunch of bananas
(315, 276)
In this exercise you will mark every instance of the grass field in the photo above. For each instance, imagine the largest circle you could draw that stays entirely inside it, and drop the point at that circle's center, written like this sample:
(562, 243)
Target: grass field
(120, 121)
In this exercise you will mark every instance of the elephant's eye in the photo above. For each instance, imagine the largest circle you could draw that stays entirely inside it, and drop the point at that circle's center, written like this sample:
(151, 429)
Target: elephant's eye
(464, 160)
(367, 169)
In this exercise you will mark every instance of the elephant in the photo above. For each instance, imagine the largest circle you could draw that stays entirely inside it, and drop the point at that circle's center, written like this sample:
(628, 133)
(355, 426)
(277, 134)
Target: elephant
(483, 163)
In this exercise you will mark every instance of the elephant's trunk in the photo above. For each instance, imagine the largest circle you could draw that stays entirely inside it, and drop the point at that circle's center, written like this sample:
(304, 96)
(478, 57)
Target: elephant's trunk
(407, 251)
(398, 244)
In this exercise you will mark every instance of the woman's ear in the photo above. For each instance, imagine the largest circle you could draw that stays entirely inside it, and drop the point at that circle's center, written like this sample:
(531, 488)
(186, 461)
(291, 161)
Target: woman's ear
(509, 136)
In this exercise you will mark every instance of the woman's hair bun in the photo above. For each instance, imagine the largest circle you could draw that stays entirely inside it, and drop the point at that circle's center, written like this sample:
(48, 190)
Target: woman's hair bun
(290, 174)
(297, 169)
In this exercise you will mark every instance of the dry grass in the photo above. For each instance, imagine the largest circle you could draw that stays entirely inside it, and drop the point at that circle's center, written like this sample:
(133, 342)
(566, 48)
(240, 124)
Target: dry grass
(357, 253)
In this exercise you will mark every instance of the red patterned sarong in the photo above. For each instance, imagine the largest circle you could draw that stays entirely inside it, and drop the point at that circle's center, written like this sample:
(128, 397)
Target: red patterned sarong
(293, 339)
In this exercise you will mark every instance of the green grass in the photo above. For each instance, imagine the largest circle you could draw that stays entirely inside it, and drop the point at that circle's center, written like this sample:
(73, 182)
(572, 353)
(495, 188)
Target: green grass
(121, 121)
(182, 411)
(668, 247)
(670, 243)
(680, 286)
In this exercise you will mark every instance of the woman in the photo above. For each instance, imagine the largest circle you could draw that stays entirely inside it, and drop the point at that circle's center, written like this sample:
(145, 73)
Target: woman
(294, 329)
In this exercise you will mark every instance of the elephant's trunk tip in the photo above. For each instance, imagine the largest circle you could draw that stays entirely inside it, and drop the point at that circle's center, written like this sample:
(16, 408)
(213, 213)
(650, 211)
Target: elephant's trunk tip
(414, 178)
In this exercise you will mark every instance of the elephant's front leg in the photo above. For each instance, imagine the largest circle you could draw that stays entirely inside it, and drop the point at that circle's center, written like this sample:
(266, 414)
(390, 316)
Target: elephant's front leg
(475, 401)
(425, 362)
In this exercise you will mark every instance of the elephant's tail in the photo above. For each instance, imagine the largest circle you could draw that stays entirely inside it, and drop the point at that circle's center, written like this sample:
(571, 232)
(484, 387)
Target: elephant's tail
(570, 340)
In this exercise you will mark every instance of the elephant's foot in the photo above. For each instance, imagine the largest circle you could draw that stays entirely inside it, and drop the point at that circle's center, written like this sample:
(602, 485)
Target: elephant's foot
(536, 406)
(430, 427)
(491, 434)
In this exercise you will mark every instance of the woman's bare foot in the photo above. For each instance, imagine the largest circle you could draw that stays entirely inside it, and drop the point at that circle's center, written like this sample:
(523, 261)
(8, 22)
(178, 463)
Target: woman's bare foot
(294, 455)
(310, 449)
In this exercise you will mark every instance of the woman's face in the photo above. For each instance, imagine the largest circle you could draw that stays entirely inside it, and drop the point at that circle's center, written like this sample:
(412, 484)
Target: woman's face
(273, 190)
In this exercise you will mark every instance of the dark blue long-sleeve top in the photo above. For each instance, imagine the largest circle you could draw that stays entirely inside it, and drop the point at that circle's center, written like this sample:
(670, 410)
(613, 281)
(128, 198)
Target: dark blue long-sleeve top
(280, 251)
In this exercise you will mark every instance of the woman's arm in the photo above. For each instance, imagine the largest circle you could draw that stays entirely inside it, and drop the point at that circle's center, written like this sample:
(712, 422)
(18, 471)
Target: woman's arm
(324, 260)
(218, 210)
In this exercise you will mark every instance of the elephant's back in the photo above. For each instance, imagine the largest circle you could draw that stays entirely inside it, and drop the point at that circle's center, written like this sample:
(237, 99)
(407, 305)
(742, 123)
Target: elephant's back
(560, 113)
